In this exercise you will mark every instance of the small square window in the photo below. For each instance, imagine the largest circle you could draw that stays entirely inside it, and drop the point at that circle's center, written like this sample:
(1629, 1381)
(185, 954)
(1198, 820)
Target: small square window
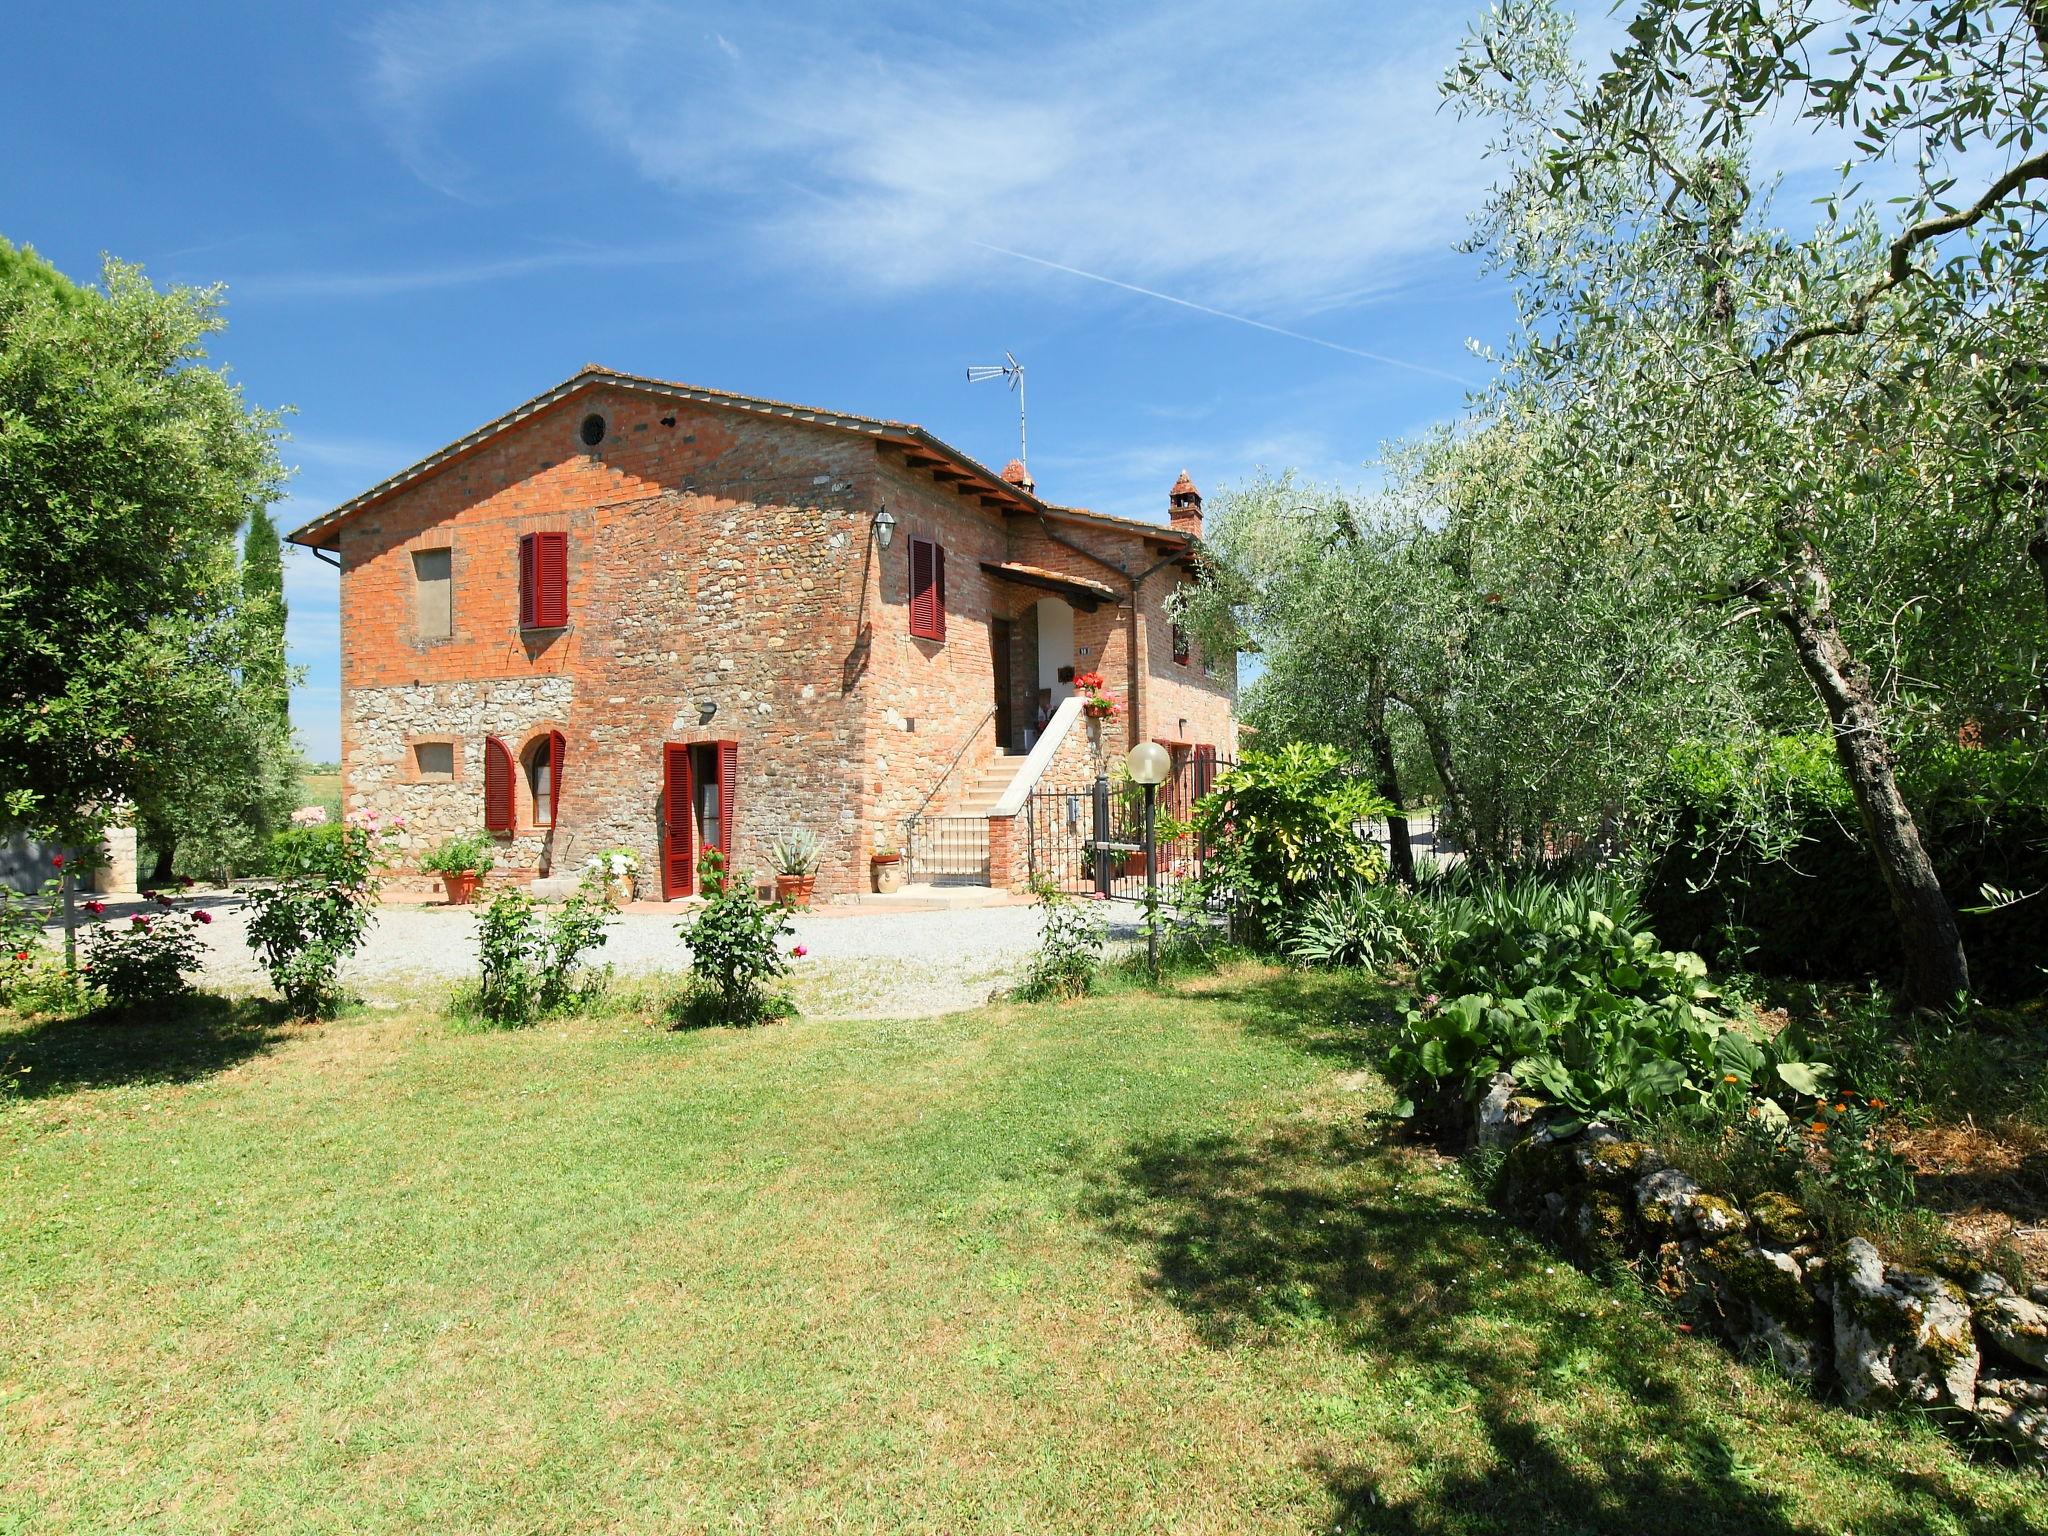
(434, 759)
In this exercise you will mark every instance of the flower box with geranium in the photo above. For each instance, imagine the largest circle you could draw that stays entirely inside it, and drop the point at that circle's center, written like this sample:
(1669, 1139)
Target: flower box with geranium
(1095, 704)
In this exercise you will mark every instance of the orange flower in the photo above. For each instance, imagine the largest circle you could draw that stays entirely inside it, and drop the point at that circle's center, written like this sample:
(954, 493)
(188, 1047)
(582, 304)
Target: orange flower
(1730, 1077)
(1877, 1103)
(1818, 1126)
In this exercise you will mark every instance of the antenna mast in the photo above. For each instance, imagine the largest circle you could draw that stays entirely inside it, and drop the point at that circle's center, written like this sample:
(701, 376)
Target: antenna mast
(1011, 371)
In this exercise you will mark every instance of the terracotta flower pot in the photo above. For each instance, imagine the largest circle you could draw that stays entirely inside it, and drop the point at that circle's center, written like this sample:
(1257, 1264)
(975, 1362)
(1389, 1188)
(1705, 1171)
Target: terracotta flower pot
(888, 873)
(460, 886)
(620, 888)
(795, 890)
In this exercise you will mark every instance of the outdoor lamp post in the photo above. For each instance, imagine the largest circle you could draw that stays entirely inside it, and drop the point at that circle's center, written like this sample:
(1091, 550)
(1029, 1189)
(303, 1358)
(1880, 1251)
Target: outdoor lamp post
(1148, 764)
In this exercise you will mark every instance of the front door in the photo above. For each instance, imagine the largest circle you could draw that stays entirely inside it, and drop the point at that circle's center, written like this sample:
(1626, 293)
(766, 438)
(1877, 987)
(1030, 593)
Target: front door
(999, 657)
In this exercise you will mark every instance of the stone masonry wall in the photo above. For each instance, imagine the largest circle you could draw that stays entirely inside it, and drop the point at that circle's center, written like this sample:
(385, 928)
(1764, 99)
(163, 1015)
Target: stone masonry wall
(1966, 1348)
(724, 585)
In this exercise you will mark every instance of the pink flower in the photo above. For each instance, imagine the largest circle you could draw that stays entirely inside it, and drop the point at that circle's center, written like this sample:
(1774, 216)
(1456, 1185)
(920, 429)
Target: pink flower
(397, 821)
(799, 952)
(139, 921)
(202, 917)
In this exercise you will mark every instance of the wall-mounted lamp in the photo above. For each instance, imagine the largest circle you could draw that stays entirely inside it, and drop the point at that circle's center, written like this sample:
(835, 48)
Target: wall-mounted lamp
(706, 708)
(885, 525)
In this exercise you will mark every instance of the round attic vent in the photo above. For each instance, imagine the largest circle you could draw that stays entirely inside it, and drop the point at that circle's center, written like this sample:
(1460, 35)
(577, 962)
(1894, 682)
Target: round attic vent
(593, 430)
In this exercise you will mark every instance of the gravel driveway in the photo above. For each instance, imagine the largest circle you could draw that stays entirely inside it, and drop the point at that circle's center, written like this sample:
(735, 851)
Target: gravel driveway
(880, 964)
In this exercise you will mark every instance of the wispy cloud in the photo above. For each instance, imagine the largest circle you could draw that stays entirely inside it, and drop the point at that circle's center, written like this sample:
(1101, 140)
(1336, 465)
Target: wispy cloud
(1277, 159)
(1221, 314)
(359, 283)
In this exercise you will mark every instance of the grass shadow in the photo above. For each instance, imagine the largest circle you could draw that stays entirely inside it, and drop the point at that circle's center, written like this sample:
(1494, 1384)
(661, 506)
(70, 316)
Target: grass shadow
(189, 1040)
(1520, 1405)
(1338, 1016)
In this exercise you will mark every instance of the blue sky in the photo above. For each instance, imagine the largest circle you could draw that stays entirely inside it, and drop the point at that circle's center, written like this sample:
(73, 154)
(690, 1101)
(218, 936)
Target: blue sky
(426, 212)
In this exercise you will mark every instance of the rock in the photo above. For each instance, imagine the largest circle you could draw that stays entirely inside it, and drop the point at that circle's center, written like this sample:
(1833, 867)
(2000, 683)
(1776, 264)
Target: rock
(2038, 1292)
(1503, 1116)
(1780, 1220)
(1606, 1161)
(1765, 1305)
(2015, 1410)
(1899, 1336)
(1664, 1203)
(1677, 1279)
(2016, 1328)
(1714, 1217)
(1983, 1287)
(554, 887)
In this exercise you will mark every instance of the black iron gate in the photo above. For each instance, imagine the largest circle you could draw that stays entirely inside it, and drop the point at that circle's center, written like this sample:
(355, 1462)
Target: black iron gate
(1090, 838)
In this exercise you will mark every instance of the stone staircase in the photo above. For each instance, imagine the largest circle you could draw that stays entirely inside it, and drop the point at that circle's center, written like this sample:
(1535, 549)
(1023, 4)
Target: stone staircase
(952, 845)
(977, 797)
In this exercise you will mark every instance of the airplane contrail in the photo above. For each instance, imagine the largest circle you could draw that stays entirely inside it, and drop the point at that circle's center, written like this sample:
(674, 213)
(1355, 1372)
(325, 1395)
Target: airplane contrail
(1224, 314)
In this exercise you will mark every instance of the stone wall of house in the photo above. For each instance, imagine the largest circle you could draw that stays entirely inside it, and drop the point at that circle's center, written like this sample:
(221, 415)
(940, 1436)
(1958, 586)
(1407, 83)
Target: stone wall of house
(724, 586)
(929, 701)
(715, 594)
(1967, 1348)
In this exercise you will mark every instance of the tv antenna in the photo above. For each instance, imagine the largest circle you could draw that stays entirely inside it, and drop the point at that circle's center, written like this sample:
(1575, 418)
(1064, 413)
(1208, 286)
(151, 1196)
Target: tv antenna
(1013, 371)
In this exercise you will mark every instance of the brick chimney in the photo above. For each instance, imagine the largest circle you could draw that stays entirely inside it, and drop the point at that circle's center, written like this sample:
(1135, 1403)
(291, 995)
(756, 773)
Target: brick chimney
(1019, 476)
(1184, 506)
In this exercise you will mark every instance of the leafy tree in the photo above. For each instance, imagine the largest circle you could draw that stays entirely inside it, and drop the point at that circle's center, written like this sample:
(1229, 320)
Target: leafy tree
(1797, 428)
(126, 468)
(264, 669)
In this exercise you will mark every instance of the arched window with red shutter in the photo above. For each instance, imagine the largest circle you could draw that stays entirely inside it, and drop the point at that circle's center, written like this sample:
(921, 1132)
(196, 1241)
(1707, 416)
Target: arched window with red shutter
(557, 750)
(498, 813)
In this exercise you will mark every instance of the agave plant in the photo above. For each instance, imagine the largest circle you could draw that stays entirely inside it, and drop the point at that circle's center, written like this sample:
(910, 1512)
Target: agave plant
(795, 852)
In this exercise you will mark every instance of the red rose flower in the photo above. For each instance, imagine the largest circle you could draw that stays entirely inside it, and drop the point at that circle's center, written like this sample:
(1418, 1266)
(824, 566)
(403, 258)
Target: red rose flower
(57, 861)
(202, 917)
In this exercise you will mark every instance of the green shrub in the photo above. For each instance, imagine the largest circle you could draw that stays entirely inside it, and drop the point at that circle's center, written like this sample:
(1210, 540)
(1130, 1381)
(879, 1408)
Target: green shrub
(317, 910)
(466, 853)
(735, 951)
(144, 960)
(1358, 926)
(532, 966)
(1281, 826)
(1589, 1011)
(1069, 955)
(1767, 868)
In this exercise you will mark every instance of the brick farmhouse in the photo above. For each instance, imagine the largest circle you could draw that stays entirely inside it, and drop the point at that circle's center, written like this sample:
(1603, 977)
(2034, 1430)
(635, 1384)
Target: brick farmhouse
(638, 614)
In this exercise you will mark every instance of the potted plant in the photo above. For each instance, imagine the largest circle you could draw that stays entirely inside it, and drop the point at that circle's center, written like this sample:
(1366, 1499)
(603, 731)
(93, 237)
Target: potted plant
(615, 873)
(795, 854)
(460, 862)
(887, 861)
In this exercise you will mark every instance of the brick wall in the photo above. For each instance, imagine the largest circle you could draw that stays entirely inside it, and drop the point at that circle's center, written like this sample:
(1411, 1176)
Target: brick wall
(723, 586)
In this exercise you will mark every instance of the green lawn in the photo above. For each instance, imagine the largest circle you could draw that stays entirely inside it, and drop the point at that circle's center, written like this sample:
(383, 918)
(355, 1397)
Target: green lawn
(322, 789)
(1129, 1265)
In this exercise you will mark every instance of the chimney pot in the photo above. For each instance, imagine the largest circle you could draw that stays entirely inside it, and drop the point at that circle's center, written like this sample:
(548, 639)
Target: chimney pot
(1184, 507)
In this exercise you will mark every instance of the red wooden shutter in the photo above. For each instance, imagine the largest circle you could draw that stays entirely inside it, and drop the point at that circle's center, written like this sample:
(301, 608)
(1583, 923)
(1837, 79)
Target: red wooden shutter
(498, 815)
(728, 770)
(557, 744)
(526, 618)
(550, 580)
(678, 840)
(927, 590)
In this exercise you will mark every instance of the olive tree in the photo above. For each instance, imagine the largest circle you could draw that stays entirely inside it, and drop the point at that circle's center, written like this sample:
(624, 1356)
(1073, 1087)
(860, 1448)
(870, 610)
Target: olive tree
(1786, 423)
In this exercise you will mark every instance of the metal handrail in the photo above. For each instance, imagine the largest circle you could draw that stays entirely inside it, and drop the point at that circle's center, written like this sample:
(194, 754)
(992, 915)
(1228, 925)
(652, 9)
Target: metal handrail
(955, 763)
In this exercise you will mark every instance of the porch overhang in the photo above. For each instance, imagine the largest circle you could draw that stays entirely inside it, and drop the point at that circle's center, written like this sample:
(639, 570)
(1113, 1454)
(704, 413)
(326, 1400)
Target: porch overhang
(1084, 594)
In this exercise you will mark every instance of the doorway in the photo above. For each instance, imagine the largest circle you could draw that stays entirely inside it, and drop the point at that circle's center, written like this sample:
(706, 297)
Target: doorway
(999, 666)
